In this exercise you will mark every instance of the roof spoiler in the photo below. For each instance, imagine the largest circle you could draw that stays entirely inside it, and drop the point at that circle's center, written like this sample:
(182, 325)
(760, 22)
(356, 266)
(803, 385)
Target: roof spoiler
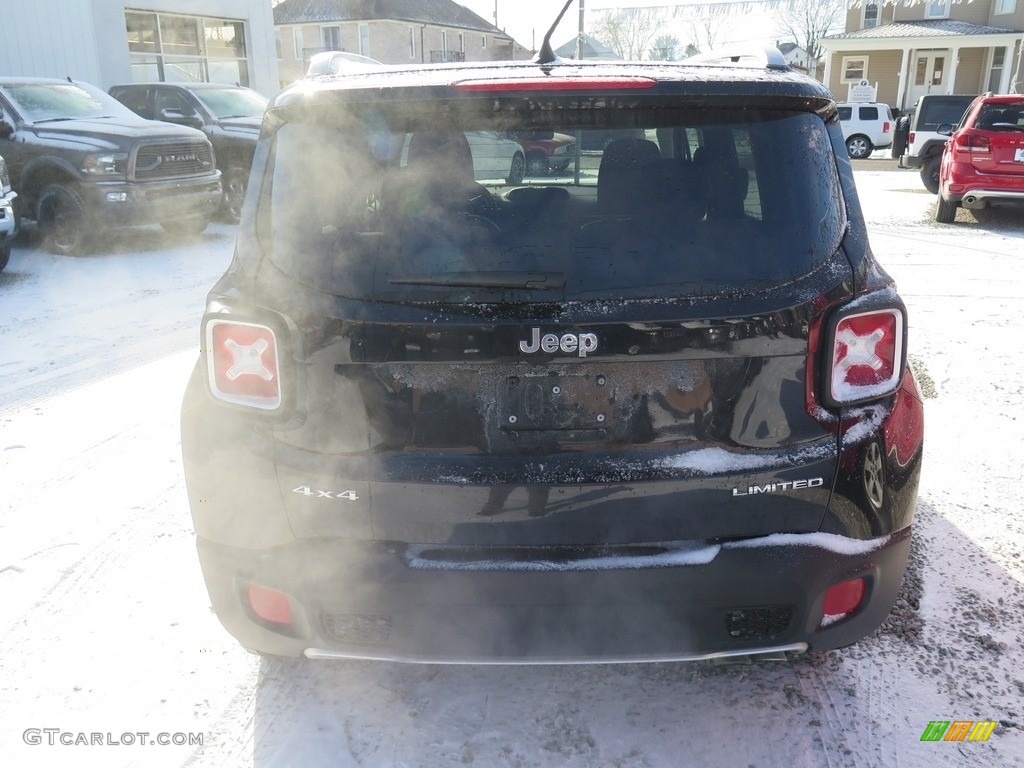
(768, 57)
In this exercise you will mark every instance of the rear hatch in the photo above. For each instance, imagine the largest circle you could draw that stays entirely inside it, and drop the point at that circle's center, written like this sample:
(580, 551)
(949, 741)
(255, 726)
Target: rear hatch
(997, 141)
(621, 356)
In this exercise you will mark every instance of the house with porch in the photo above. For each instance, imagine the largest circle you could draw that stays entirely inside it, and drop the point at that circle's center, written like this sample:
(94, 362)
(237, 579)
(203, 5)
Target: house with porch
(390, 31)
(909, 48)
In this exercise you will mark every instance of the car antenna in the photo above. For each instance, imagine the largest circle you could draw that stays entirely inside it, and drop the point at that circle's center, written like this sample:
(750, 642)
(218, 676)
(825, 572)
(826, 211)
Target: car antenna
(546, 54)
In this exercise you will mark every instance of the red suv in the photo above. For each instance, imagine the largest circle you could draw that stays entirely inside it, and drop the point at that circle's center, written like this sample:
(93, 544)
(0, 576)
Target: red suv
(983, 162)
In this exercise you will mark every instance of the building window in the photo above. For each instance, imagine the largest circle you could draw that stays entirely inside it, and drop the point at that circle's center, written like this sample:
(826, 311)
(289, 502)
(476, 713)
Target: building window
(175, 48)
(298, 44)
(855, 68)
(330, 38)
(277, 43)
(364, 39)
(462, 42)
(412, 43)
(995, 75)
(444, 40)
(1005, 6)
(937, 9)
(483, 41)
(870, 16)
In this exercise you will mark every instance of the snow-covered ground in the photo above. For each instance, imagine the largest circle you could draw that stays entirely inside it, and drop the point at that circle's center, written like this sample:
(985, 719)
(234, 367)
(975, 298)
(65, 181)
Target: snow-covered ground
(105, 626)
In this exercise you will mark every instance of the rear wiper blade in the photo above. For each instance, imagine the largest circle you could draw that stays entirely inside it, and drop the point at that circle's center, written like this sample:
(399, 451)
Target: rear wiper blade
(545, 281)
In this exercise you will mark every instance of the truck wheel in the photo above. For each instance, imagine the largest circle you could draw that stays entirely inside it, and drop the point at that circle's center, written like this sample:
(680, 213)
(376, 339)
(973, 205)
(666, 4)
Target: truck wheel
(5, 256)
(945, 212)
(517, 171)
(60, 215)
(236, 182)
(930, 173)
(192, 226)
(536, 165)
(858, 147)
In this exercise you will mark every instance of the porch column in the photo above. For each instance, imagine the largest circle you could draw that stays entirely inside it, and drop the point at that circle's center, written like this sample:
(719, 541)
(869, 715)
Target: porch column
(951, 80)
(1004, 80)
(901, 88)
(827, 77)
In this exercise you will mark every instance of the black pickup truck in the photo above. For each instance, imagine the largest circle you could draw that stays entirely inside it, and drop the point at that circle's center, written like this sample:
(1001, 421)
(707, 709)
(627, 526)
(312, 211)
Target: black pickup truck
(82, 162)
(229, 115)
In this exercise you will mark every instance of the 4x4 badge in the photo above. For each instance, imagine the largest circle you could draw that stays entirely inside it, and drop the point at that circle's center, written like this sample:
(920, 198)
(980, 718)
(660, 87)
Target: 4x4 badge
(305, 490)
(580, 343)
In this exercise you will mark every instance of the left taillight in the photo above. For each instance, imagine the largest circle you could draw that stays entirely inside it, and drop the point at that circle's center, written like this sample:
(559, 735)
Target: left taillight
(971, 142)
(865, 355)
(243, 364)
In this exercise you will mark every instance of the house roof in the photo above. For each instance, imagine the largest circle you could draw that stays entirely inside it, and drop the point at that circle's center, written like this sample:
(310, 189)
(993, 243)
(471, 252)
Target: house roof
(440, 12)
(931, 28)
(592, 49)
(785, 48)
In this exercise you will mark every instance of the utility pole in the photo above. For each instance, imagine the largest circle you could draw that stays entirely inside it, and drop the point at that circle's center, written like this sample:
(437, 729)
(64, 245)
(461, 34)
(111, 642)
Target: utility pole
(579, 37)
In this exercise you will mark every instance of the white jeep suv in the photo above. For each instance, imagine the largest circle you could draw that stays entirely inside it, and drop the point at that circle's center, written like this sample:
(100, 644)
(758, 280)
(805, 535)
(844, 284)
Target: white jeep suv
(866, 127)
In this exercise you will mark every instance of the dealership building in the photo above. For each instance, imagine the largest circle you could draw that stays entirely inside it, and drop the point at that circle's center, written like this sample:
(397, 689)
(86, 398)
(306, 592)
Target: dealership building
(105, 42)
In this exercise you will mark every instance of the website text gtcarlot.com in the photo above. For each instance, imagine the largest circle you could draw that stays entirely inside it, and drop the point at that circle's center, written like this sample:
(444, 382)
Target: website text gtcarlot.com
(54, 736)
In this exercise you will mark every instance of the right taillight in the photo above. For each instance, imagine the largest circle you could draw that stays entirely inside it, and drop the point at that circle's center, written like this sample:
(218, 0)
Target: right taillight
(864, 356)
(242, 364)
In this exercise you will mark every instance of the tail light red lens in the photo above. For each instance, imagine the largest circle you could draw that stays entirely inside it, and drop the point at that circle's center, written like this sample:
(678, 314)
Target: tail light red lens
(269, 604)
(866, 356)
(242, 362)
(842, 599)
(911, 136)
(972, 142)
(885, 127)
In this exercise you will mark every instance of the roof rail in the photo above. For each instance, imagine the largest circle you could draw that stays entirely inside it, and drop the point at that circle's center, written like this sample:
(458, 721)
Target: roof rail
(767, 56)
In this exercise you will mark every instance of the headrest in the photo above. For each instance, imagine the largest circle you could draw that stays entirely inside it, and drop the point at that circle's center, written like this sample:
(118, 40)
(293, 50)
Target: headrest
(621, 163)
(445, 155)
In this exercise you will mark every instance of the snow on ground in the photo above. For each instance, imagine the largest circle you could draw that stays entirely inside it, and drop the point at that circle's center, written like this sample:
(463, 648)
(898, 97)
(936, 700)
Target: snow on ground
(107, 628)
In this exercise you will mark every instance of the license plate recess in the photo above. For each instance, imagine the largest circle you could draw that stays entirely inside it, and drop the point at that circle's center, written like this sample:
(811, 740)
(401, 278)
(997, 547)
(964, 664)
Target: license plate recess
(556, 402)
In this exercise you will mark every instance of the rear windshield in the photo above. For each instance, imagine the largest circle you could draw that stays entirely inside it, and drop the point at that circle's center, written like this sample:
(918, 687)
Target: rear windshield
(434, 205)
(936, 112)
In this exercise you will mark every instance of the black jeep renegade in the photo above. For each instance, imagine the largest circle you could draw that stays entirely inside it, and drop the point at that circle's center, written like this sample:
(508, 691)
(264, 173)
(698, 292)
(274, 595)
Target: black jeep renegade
(658, 408)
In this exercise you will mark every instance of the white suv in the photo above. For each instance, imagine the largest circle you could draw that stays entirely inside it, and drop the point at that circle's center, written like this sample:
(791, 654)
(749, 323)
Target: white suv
(866, 127)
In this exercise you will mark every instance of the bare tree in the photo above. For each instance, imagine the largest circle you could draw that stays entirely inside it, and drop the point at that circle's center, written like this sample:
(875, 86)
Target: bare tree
(628, 31)
(705, 22)
(705, 30)
(805, 22)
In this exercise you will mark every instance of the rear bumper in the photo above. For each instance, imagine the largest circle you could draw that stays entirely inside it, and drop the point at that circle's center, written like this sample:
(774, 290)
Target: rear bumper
(984, 198)
(694, 600)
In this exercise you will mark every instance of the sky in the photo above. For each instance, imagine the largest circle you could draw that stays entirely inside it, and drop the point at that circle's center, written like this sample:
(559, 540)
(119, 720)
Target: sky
(528, 20)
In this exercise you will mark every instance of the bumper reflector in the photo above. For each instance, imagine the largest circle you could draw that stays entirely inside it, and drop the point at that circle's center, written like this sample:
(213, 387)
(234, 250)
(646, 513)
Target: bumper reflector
(270, 605)
(842, 599)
